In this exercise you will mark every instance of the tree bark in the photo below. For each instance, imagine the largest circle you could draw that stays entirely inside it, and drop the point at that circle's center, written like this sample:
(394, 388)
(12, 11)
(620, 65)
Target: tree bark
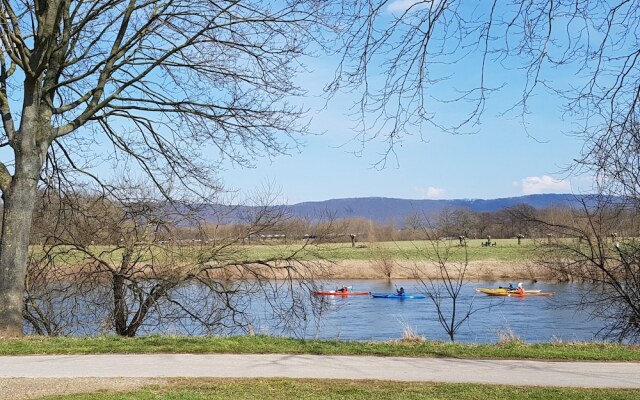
(19, 202)
(30, 144)
(119, 305)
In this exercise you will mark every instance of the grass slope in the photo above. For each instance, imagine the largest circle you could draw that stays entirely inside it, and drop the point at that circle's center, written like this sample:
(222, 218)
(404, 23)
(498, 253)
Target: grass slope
(271, 345)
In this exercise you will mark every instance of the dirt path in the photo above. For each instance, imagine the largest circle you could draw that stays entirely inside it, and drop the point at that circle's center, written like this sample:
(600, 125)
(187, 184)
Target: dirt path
(35, 388)
(68, 374)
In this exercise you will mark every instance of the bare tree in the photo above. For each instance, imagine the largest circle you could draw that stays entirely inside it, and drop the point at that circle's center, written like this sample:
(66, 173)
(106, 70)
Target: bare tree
(613, 157)
(443, 280)
(583, 53)
(143, 283)
(169, 88)
(582, 251)
(446, 287)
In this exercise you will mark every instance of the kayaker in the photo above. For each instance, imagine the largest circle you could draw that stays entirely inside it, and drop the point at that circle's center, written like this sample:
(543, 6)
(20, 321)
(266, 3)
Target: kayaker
(342, 289)
(511, 287)
(400, 291)
(520, 289)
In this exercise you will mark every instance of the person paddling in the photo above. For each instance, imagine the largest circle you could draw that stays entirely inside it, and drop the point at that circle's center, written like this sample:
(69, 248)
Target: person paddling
(400, 291)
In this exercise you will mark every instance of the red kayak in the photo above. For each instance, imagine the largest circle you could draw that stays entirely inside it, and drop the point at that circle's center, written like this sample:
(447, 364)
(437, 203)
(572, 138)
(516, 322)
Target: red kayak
(338, 293)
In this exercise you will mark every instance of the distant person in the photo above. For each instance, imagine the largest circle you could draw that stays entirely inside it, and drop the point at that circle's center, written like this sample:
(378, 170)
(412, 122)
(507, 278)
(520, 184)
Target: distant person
(520, 289)
(342, 290)
(400, 291)
(511, 287)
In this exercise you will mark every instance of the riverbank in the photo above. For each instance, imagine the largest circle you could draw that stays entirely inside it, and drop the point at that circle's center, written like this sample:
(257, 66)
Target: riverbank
(486, 270)
(411, 346)
(507, 261)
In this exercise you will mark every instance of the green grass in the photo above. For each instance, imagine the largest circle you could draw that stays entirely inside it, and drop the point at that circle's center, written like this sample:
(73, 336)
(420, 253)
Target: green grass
(507, 250)
(270, 345)
(252, 389)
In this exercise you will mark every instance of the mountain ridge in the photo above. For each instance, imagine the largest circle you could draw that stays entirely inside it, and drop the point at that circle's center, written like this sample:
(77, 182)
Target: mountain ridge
(386, 209)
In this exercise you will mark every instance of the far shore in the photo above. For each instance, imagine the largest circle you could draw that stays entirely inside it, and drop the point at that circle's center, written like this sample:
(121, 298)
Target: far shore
(475, 270)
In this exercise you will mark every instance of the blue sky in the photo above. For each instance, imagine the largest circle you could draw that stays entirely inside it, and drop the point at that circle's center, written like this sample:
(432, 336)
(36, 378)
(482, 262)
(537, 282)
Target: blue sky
(502, 159)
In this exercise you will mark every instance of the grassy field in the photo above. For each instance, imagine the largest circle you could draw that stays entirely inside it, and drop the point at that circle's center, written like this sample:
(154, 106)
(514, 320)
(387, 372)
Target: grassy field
(506, 250)
(252, 389)
(272, 345)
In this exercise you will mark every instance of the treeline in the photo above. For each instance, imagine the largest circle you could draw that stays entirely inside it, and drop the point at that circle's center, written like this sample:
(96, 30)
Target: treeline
(96, 220)
(519, 221)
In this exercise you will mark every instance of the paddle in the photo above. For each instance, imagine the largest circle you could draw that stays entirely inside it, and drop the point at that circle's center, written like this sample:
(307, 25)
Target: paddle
(398, 292)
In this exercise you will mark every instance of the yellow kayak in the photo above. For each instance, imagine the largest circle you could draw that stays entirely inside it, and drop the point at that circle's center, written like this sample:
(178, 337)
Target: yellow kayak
(507, 292)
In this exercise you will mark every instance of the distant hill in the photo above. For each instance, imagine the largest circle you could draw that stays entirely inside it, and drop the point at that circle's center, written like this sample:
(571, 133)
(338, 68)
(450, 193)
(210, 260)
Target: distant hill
(382, 209)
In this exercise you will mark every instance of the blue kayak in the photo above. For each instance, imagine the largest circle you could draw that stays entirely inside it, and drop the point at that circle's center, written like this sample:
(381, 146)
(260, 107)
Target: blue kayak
(397, 296)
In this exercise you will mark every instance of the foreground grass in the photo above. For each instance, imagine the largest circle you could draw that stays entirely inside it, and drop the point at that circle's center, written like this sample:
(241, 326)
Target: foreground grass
(271, 345)
(252, 389)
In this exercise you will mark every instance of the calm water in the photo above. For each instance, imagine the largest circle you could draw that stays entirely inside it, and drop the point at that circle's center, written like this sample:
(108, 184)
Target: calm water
(533, 319)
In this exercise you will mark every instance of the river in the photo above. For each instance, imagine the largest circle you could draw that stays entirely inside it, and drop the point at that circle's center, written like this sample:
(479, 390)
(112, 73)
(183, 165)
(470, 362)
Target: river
(531, 319)
(364, 318)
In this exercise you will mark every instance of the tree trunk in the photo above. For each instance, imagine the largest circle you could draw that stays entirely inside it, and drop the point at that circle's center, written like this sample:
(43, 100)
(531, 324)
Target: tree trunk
(119, 305)
(157, 292)
(19, 202)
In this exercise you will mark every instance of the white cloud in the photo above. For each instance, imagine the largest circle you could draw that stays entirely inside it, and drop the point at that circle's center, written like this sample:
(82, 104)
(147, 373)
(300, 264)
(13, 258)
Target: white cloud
(544, 184)
(431, 192)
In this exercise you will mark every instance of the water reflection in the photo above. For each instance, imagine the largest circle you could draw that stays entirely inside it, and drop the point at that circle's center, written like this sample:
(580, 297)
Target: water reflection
(533, 319)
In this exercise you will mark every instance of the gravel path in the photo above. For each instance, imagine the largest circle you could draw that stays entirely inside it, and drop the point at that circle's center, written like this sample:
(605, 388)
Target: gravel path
(66, 374)
(34, 388)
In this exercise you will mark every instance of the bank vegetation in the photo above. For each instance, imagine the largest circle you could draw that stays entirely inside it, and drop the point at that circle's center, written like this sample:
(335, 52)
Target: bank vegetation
(506, 348)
